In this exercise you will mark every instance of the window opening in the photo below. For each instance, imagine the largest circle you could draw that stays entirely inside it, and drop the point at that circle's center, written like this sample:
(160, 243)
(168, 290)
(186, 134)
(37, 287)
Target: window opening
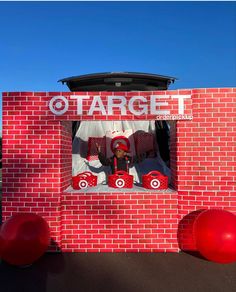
(148, 138)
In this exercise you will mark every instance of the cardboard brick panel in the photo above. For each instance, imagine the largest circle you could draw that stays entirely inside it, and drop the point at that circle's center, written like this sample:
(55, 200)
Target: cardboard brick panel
(37, 154)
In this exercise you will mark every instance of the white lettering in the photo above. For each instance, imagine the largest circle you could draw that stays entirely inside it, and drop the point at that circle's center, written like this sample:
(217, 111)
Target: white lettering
(181, 102)
(97, 105)
(143, 107)
(80, 99)
(111, 104)
(136, 105)
(154, 105)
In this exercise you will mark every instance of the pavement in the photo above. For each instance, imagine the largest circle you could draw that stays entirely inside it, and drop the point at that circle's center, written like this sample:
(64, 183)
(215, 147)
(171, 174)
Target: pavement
(119, 272)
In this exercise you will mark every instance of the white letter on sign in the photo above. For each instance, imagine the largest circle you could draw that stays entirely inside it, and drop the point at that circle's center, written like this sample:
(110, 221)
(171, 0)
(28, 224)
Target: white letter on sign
(154, 105)
(79, 102)
(99, 107)
(120, 105)
(143, 107)
(181, 102)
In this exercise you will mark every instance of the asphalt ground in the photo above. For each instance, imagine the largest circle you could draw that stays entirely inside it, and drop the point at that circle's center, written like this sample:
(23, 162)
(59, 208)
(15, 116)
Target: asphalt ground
(119, 272)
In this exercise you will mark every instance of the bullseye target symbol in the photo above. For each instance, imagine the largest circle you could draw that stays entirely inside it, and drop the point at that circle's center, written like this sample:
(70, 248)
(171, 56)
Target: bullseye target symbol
(120, 183)
(83, 184)
(155, 183)
(58, 105)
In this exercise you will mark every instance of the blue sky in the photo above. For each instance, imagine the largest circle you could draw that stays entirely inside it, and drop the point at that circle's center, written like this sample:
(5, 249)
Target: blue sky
(41, 42)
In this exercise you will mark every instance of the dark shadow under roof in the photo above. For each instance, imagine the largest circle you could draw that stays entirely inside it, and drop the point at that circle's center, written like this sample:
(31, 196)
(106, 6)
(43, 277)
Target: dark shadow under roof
(118, 81)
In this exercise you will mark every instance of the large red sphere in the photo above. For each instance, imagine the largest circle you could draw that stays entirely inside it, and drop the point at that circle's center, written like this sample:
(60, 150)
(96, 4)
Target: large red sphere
(185, 234)
(215, 235)
(23, 239)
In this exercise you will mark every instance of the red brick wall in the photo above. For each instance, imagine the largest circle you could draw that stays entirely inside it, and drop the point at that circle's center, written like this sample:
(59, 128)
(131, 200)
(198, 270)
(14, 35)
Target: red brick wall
(119, 222)
(66, 151)
(206, 155)
(173, 154)
(31, 159)
(37, 170)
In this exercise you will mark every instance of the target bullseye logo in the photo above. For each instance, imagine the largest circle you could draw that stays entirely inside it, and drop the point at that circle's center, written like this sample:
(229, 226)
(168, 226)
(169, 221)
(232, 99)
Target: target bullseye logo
(83, 184)
(120, 183)
(58, 105)
(155, 183)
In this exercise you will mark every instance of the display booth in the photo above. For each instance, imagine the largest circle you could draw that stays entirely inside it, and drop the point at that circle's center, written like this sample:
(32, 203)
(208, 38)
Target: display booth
(42, 158)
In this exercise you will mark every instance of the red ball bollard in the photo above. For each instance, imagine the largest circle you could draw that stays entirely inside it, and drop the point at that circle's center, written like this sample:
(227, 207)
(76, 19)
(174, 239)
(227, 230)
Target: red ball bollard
(185, 234)
(215, 235)
(24, 238)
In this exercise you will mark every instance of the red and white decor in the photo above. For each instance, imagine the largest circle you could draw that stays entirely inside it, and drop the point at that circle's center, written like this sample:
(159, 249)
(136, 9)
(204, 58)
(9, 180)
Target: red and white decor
(37, 166)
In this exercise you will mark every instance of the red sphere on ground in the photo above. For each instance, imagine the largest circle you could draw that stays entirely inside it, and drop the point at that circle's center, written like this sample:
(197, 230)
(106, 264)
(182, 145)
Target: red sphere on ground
(215, 235)
(23, 239)
(185, 233)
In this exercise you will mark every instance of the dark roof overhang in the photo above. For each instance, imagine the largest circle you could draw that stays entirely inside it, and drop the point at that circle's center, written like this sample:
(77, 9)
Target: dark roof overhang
(118, 81)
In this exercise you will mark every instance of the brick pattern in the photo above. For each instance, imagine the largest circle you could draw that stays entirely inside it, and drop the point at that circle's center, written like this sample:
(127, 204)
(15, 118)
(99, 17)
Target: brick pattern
(173, 154)
(119, 222)
(65, 157)
(37, 169)
(206, 155)
(31, 159)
